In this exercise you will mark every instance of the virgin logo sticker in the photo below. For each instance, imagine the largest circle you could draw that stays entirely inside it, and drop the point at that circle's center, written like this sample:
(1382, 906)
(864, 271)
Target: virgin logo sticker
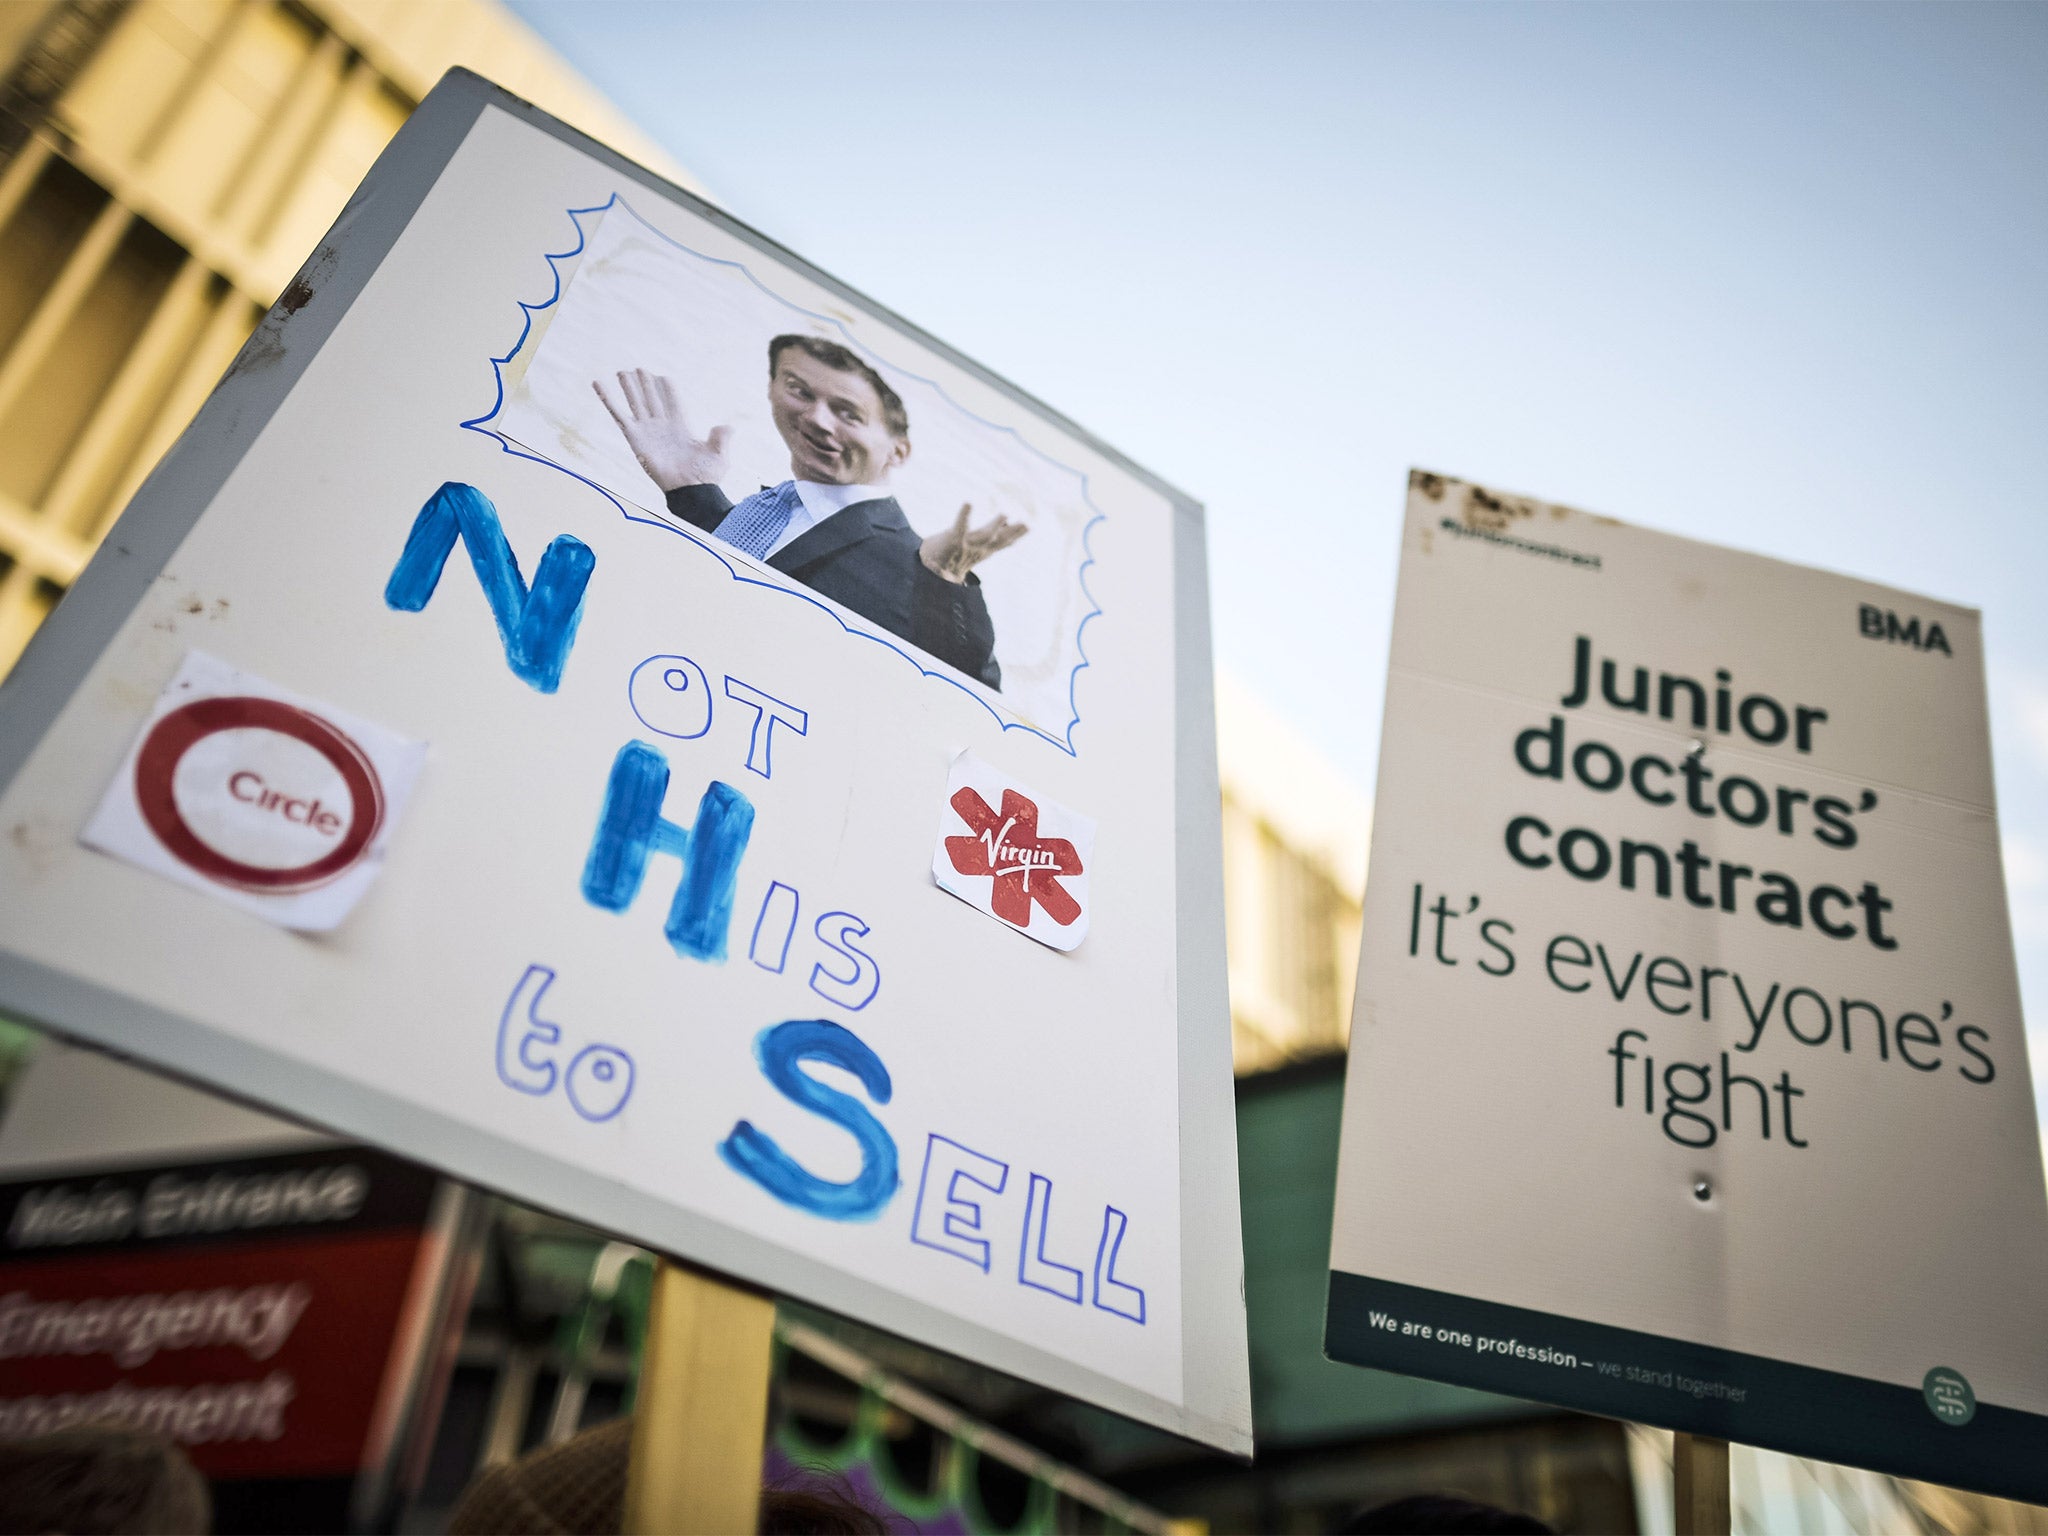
(253, 794)
(1013, 854)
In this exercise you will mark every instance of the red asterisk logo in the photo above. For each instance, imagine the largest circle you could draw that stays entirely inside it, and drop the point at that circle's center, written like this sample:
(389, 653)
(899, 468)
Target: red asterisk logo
(1025, 866)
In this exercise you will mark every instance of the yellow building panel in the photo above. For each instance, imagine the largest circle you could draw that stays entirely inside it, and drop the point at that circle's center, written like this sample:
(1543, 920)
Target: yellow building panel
(250, 211)
(227, 325)
(366, 113)
(55, 406)
(215, 127)
(19, 20)
(57, 206)
(37, 344)
(417, 41)
(76, 501)
(148, 60)
(25, 601)
(194, 156)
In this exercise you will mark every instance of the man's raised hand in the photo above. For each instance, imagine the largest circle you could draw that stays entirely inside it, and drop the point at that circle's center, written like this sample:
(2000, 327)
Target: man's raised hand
(652, 422)
(959, 549)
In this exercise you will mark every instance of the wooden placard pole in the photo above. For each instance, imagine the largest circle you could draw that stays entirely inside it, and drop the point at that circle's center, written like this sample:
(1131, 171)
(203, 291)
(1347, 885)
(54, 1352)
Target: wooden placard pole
(1699, 1485)
(701, 1412)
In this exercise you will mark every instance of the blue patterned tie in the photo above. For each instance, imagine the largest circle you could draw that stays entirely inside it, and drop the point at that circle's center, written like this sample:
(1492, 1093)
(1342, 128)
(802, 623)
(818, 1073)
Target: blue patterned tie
(756, 523)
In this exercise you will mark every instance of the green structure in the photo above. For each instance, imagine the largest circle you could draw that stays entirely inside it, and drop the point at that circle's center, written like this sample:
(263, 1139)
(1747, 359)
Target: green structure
(1287, 1173)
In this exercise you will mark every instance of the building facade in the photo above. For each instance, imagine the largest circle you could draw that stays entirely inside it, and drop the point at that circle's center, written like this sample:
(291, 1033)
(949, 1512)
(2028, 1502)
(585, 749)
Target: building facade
(165, 167)
(1294, 849)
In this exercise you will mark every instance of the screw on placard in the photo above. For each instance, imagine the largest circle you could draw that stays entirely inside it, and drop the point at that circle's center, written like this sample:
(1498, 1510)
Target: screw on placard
(1702, 1191)
(1698, 747)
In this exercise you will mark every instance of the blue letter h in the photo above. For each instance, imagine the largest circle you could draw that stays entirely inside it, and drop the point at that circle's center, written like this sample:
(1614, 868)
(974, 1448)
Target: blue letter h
(631, 829)
(537, 627)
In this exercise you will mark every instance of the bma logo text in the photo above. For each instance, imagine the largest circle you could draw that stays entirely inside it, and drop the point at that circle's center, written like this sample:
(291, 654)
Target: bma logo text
(1882, 624)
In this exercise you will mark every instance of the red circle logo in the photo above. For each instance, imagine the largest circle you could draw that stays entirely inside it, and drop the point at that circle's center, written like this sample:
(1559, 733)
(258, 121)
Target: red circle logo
(186, 726)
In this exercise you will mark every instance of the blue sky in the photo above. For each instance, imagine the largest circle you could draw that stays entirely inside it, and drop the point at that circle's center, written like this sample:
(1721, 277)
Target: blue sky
(1775, 276)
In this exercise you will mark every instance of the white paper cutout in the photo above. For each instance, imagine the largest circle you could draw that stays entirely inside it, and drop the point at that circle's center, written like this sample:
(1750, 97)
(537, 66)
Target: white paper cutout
(258, 796)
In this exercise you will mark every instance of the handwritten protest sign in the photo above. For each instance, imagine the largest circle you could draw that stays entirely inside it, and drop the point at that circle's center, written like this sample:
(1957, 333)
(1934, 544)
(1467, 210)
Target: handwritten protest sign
(1688, 1082)
(695, 574)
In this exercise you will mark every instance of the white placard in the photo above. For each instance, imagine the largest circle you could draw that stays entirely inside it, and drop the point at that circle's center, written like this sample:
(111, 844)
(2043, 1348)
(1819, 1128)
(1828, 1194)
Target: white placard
(657, 942)
(1688, 1082)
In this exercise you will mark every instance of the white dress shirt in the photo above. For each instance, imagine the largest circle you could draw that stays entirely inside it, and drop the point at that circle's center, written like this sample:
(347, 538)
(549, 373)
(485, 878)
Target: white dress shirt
(818, 502)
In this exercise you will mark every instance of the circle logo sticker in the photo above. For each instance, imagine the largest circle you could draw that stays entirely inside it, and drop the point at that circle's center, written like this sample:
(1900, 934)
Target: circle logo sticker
(257, 794)
(1949, 1397)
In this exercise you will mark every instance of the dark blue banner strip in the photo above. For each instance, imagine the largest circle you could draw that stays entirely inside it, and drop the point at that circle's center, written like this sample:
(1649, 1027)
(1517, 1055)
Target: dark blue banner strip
(1622, 1374)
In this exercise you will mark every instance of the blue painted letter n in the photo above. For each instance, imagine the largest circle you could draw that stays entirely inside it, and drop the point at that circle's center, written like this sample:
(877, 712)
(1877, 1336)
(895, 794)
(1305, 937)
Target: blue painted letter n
(537, 627)
(631, 830)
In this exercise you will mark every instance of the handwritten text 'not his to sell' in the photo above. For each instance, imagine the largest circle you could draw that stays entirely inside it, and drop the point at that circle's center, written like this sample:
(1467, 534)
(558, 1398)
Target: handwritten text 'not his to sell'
(962, 1192)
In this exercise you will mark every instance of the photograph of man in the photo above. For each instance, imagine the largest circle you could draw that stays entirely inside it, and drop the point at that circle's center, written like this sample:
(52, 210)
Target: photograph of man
(833, 525)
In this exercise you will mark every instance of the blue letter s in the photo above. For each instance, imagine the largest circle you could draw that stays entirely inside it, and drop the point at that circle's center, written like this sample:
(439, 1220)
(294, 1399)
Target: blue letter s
(782, 1050)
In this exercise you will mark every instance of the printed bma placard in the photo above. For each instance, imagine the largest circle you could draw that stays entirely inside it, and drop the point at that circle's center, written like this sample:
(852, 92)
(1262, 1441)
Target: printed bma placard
(682, 578)
(1688, 1082)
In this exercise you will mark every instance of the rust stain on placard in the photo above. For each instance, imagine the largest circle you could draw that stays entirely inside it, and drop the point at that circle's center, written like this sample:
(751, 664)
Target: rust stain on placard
(39, 841)
(1489, 513)
(192, 607)
(1493, 512)
(266, 346)
(300, 293)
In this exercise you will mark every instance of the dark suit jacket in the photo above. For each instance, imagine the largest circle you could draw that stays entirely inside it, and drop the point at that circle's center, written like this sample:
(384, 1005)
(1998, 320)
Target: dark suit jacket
(865, 558)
